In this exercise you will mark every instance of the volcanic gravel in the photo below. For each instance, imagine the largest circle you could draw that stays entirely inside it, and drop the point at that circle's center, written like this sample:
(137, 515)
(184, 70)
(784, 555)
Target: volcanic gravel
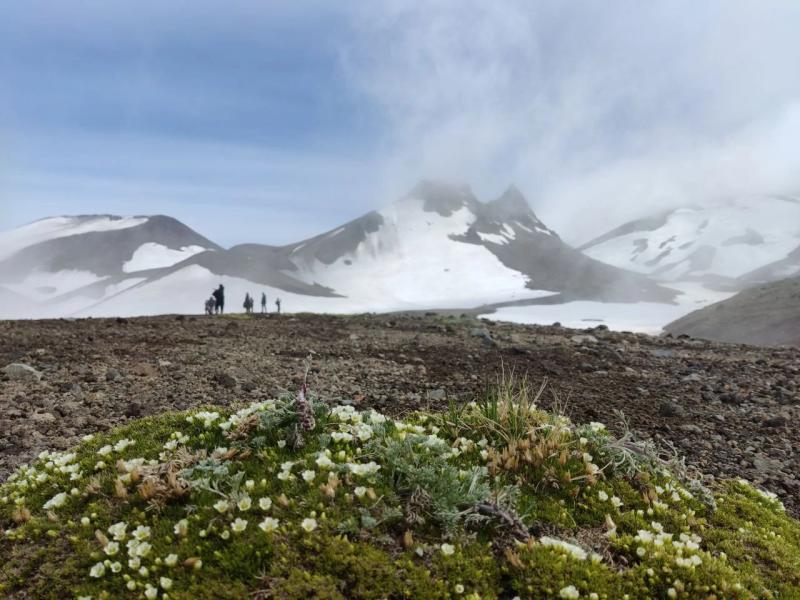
(730, 409)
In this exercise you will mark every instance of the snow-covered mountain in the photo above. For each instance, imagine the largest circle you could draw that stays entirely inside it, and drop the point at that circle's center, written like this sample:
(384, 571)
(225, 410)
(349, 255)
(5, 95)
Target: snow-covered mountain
(47, 260)
(437, 247)
(729, 245)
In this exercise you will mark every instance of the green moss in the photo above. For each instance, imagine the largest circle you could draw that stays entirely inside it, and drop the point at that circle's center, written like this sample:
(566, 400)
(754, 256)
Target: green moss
(437, 506)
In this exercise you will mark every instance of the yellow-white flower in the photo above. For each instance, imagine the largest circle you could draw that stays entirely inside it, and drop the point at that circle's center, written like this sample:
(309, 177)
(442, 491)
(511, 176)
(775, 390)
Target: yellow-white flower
(239, 525)
(570, 592)
(221, 506)
(141, 532)
(244, 503)
(308, 524)
(265, 503)
(117, 531)
(308, 475)
(150, 592)
(171, 560)
(447, 549)
(603, 496)
(165, 583)
(111, 549)
(360, 491)
(97, 570)
(268, 525)
(181, 528)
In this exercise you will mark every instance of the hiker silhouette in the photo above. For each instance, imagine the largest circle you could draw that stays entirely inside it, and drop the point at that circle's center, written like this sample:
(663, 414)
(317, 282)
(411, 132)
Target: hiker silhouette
(219, 299)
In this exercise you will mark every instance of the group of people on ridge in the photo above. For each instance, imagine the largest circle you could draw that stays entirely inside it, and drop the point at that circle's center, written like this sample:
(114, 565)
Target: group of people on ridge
(215, 305)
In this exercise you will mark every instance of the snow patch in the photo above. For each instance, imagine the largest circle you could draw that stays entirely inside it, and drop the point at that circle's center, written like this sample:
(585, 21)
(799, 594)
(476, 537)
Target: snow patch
(640, 317)
(15, 240)
(156, 256)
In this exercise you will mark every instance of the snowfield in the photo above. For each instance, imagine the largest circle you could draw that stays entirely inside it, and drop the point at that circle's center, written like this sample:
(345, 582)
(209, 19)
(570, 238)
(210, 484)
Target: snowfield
(155, 256)
(640, 317)
(411, 263)
(55, 227)
(727, 240)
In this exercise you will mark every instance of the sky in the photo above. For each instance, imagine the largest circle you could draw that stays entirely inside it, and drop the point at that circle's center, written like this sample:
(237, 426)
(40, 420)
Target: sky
(273, 121)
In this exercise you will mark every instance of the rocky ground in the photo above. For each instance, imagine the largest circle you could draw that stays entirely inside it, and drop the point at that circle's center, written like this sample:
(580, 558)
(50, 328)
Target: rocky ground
(731, 409)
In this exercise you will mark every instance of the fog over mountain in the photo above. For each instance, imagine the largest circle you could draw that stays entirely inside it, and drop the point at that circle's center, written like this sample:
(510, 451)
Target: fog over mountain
(438, 247)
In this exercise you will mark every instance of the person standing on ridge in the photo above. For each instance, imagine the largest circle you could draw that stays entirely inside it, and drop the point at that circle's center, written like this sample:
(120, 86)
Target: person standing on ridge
(278, 305)
(263, 303)
(219, 298)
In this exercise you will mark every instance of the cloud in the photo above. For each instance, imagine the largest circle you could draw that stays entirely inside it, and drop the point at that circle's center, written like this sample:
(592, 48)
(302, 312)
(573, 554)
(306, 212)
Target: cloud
(600, 111)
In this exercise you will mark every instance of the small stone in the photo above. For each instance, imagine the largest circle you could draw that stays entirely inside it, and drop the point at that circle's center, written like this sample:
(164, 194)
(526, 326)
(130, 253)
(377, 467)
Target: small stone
(113, 374)
(225, 380)
(21, 372)
(583, 339)
(668, 408)
(437, 394)
(776, 421)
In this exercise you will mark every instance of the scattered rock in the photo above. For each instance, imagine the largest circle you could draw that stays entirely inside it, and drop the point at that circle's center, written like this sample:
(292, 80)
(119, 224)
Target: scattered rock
(225, 380)
(776, 421)
(668, 408)
(437, 394)
(113, 374)
(583, 339)
(484, 335)
(21, 372)
(144, 370)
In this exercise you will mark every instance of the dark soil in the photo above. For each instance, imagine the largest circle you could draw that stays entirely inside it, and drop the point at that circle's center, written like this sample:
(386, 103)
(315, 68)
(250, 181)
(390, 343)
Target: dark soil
(730, 409)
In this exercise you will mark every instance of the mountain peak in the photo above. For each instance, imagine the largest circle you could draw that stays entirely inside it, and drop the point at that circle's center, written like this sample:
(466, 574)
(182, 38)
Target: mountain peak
(510, 205)
(443, 198)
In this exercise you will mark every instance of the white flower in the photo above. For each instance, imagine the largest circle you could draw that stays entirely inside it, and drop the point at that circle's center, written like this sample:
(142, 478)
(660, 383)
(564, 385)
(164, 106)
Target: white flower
(117, 531)
(308, 475)
(459, 588)
(576, 551)
(309, 525)
(56, 501)
(616, 502)
(85, 520)
(265, 503)
(602, 495)
(596, 427)
(105, 450)
(447, 549)
(116, 567)
(285, 475)
(111, 549)
(570, 592)
(323, 462)
(181, 528)
(165, 582)
(150, 592)
(268, 525)
(221, 506)
(134, 563)
(360, 491)
(97, 571)
(143, 549)
(244, 503)
(281, 443)
(123, 444)
(239, 525)
(249, 484)
(171, 560)
(141, 533)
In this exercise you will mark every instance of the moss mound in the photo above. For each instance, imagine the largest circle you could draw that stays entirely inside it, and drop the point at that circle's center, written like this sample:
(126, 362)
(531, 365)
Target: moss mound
(290, 498)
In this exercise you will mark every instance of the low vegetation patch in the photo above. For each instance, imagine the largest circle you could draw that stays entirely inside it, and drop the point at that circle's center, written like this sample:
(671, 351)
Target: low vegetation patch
(292, 498)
